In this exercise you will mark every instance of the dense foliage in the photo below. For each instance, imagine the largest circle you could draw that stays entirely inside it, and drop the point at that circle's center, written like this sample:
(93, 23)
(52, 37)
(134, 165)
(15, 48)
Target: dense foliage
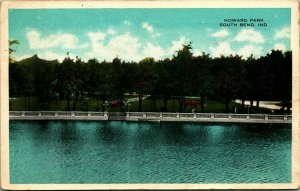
(224, 78)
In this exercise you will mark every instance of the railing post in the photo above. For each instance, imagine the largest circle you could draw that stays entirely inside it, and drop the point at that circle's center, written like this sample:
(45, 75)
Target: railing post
(56, 114)
(40, 113)
(23, 113)
(266, 117)
(127, 114)
(229, 116)
(160, 115)
(212, 116)
(105, 114)
(89, 114)
(177, 115)
(144, 115)
(285, 118)
(248, 117)
(195, 116)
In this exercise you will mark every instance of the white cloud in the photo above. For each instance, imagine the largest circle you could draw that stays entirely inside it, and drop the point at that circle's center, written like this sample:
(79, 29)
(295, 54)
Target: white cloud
(220, 33)
(155, 35)
(49, 55)
(177, 45)
(247, 50)
(223, 48)
(151, 50)
(280, 46)
(283, 33)
(21, 57)
(128, 47)
(197, 52)
(249, 35)
(95, 38)
(64, 40)
(148, 27)
(111, 31)
(125, 46)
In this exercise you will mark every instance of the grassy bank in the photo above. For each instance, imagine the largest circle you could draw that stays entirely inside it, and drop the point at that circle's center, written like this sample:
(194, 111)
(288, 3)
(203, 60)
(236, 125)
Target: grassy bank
(148, 105)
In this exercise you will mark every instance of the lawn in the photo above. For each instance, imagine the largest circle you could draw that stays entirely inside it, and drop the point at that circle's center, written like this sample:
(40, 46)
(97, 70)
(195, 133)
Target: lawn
(148, 105)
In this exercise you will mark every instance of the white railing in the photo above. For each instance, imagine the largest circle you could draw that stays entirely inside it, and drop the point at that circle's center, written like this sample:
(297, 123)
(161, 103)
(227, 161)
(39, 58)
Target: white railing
(135, 114)
(96, 113)
(187, 115)
(203, 115)
(151, 115)
(169, 115)
(54, 113)
(255, 116)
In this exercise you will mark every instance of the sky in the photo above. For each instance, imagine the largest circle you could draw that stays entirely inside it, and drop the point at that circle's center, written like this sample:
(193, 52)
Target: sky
(135, 33)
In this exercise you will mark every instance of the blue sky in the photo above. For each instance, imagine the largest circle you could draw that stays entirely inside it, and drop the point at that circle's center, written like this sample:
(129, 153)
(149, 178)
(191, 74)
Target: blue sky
(132, 34)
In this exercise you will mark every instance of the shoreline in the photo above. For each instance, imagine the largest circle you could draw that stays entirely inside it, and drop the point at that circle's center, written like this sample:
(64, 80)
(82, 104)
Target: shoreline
(150, 117)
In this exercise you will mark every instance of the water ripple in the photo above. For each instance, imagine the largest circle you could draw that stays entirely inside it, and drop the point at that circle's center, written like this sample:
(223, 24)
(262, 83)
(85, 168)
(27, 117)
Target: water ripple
(130, 152)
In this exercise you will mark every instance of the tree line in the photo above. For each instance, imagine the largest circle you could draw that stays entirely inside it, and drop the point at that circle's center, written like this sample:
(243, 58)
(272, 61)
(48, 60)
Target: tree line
(223, 78)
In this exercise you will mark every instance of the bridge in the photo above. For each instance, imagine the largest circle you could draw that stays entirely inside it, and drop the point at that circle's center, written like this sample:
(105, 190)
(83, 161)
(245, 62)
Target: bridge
(149, 116)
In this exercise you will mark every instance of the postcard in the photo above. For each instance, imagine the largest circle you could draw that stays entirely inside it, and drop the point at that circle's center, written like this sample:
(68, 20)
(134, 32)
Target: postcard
(150, 95)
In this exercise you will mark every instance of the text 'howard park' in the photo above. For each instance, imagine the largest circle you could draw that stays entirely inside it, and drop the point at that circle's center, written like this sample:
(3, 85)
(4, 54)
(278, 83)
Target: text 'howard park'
(243, 22)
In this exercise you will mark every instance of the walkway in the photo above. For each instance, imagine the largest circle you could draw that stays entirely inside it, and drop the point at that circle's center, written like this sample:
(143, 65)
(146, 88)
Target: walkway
(149, 116)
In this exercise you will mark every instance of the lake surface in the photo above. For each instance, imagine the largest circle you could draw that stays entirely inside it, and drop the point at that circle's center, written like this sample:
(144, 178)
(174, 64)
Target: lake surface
(141, 152)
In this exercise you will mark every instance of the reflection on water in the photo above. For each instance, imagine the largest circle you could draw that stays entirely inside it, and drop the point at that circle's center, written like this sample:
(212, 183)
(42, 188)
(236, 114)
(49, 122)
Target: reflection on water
(141, 152)
(108, 134)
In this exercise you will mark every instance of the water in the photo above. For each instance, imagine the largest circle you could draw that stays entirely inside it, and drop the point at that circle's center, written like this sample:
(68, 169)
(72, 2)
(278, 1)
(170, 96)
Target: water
(140, 152)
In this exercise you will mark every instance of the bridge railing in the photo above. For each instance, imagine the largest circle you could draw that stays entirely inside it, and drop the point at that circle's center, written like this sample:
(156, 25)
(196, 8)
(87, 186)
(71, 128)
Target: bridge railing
(153, 114)
(54, 113)
(135, 114)
(224, 116)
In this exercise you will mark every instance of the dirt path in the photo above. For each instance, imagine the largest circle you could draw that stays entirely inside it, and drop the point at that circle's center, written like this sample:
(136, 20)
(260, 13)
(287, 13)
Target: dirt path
(264, 104)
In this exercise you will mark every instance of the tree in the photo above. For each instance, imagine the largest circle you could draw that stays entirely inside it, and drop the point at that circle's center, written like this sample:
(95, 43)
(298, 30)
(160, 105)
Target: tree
(228, 78)
(223, 78)
(182, 73)
(280, 66)
(100, 81)
(25, 85)
(202, 78)
(287, 79)
(164, 85)
(80, 76)
(67, 80)
(12, 43)
(93, 69)
(44, 81)
(144, 79)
